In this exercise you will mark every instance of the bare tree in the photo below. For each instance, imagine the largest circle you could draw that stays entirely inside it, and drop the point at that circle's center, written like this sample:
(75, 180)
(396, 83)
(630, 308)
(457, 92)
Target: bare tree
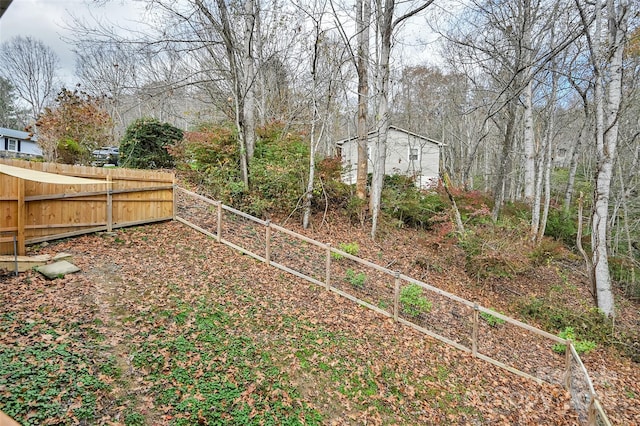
(108, 70)
(385, 26)
(606, 25)
(30, 65)
(508, 44)
(363, 23)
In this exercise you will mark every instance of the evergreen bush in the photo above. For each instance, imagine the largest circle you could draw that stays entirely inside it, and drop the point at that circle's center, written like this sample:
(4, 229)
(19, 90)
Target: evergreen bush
(562, 226)
(146, 144)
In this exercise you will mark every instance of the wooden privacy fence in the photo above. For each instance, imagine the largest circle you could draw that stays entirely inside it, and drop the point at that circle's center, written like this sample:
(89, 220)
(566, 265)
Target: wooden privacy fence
(512, 345)
(33, 211)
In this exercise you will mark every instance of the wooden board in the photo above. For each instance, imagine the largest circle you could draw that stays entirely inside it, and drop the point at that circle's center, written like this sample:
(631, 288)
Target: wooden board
(25, 263)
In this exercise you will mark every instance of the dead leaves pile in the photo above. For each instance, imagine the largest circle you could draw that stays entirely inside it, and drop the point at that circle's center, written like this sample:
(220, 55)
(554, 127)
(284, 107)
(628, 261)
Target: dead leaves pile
(311, 356)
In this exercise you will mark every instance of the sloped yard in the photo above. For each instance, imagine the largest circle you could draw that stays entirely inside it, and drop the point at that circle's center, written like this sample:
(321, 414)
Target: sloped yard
(166, 327)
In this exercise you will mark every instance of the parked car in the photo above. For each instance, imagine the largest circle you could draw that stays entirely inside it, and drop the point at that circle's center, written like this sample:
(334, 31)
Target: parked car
(106, 155)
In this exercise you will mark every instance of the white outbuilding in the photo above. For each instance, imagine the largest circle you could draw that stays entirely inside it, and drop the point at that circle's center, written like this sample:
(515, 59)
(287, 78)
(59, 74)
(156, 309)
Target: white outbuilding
(408, 154)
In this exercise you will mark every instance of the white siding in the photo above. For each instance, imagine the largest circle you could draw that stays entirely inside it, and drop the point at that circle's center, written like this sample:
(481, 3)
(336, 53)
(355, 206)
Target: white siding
(425, 169)
(30, 147)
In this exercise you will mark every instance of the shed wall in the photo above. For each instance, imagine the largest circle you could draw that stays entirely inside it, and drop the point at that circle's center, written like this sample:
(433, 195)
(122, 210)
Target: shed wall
(425, 169)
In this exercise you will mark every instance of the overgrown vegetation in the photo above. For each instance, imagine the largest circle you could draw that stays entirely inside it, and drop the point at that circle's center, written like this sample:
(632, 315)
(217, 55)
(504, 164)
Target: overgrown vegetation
(53, 379)
(211, 376)
(587, 324)
(356, 280)
(626, 273)
(413, 302)
(277, 172)
(581, 346)
(408, 205)
(563, 226)
(146, 144)
(350, 248)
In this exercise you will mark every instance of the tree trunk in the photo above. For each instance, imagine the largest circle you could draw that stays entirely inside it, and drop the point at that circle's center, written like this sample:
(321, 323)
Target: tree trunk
(607, 62)
(385, 27)
(573, 166)
(249, 76)
(529, 144)
(363, 21)
(505, 162)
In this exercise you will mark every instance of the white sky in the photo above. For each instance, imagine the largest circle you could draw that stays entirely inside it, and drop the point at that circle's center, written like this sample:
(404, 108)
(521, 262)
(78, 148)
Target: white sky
(45, 20)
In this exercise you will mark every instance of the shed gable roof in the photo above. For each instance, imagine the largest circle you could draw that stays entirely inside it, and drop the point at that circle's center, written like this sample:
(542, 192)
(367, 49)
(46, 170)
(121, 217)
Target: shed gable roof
(398, 129)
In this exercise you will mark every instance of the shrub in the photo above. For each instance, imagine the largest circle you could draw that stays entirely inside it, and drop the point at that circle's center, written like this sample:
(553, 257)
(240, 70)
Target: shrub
(356, 280)
(474, 206)
(351, 248)
(581, 346)
(413, 302)
(277, 171)
(493, 321)
(146, 142)
(209, 147)
(403, 201)
(626, 275)
(70, 151)
(562, 226)
(546, 251)
(589, 323)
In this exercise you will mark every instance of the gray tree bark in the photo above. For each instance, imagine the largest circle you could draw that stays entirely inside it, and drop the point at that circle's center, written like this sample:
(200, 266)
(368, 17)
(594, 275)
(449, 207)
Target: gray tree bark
(606, 46)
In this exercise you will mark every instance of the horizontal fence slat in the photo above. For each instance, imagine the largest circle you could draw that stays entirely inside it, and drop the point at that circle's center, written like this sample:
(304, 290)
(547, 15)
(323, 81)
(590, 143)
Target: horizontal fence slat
(65, 235)
(196, 227)
(141, 189)
(64, 225)
(198, 196)
(144, 200)
(242, 250)
(62, 196)
(359, 301)
(299, 236)
(364, 262)
(141, 222)
(522, 325)
(244, 215)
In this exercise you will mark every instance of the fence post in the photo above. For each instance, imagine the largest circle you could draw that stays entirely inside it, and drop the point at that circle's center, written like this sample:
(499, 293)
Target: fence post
(568, 359)
(109, 205)
(219, 230)
(268, 243)
(396, 296)
(592, 420)
(15, 252)
(327, 278)
(474, 332)
(174, 198)
(21, 214)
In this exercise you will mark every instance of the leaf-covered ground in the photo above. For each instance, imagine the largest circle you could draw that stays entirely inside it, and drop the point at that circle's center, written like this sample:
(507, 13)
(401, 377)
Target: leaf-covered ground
(166, 327)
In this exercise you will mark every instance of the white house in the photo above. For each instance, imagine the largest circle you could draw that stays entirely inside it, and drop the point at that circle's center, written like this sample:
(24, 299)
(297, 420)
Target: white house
(408, 154)
(14, 143)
